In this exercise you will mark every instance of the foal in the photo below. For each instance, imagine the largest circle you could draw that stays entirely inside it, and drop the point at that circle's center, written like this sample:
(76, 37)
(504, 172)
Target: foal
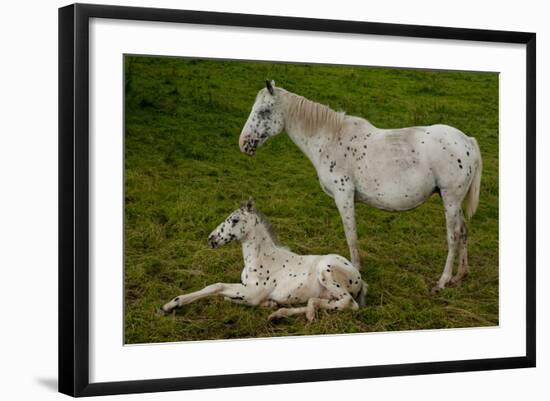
(274, 276)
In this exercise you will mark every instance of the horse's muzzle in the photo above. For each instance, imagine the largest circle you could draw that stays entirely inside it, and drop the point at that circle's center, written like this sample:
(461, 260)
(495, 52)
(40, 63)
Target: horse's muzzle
(212, 242)
(248, 145)
(249, 152)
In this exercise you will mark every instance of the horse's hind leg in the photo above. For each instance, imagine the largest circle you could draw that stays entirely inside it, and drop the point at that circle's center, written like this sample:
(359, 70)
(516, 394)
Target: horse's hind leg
(455, 220)
(463, 268)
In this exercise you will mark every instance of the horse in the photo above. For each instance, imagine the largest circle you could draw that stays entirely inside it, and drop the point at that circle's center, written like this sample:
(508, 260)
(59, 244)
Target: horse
(273, 275)
(389, 169)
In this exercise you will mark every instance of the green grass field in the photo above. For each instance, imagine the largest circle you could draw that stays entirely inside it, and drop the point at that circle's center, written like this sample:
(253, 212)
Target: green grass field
(184, 174)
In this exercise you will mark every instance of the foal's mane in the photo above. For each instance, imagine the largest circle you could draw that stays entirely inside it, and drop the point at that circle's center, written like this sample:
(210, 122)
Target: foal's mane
(311, 115)
(268, 226)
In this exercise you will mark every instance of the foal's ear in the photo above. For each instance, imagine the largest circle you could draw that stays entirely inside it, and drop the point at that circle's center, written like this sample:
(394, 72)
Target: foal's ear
(250, 205)
(270, 86)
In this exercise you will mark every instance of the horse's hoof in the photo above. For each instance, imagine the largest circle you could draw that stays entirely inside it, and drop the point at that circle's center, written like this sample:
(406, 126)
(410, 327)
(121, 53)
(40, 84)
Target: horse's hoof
(435, 289)
(455, 282)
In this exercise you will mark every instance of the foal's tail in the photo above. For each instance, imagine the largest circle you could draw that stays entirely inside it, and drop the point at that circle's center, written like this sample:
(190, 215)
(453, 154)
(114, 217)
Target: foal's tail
(362, 294)
(472, 197)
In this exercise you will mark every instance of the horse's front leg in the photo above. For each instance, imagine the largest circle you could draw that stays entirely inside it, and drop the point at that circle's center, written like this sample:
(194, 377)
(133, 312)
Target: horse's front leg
(237, 292)
(344, 196)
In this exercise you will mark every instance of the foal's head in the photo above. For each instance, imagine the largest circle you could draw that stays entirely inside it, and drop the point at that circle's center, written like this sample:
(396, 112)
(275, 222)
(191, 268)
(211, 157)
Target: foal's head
(265, 120)
(236, 226)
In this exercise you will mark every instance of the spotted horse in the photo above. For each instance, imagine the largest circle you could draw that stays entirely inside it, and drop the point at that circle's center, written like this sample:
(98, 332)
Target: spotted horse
(274, 276)
(389, 169)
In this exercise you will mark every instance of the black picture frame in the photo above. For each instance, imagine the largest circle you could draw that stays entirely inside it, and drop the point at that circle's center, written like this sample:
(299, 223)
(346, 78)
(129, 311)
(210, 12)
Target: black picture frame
(74, 198)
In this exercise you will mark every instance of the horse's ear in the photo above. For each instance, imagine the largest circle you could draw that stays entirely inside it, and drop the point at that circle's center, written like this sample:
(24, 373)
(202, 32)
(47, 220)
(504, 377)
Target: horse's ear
(250, 204)
(270, 86)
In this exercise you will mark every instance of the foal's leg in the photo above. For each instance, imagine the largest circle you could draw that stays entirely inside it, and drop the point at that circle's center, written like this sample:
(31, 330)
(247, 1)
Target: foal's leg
(339, 296)
(463, 268)
(345, 201)
(316, 303)
(286, 312)
(237, 292)
(269, 304)
(454, 219)
(346, 302)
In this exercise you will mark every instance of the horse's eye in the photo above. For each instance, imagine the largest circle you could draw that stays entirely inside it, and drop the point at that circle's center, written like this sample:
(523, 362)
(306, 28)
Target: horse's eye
(235, 220)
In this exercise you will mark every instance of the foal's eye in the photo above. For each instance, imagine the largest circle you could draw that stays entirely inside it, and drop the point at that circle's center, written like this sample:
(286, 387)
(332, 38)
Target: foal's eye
(264, 113)
(235, 220)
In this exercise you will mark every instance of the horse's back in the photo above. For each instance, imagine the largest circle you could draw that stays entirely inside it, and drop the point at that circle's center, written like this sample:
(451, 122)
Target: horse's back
(404, 166)
(395, 173)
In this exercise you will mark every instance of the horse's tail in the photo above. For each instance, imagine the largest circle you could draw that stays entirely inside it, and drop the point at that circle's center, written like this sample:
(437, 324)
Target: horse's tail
(362, 294)
(472, 197)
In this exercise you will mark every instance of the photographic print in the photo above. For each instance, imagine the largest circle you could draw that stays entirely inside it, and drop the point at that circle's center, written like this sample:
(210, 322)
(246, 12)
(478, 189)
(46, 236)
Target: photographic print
(267, 199)
(357, 187)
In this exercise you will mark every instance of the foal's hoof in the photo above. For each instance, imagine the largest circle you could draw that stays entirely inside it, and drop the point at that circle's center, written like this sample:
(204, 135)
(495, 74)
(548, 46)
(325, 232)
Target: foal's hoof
(274, 316)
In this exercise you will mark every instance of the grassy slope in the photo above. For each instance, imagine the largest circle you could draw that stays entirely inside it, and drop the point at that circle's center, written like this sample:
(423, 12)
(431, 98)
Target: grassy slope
(185, 174)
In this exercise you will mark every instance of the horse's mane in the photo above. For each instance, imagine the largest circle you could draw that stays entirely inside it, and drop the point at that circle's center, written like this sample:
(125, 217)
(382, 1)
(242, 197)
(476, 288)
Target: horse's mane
(311, 115)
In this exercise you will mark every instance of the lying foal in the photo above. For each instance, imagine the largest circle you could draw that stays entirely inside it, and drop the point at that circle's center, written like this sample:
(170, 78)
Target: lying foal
(274, 276)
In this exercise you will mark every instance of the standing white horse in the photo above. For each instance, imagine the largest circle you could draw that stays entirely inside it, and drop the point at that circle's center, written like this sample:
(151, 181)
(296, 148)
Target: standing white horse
(390, 169)
(273, 275)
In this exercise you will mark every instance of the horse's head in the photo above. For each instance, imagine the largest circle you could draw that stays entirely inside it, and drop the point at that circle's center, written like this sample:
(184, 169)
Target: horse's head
(265, 120)
(235, 227)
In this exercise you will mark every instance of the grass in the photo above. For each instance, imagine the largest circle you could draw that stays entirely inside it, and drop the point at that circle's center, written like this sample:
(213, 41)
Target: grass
(184, 174)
